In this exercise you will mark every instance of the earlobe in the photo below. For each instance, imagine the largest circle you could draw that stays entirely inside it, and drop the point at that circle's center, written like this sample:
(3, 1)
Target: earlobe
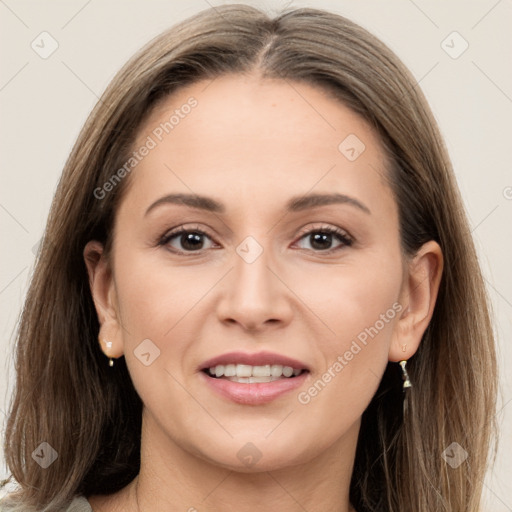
(418, 297)
(103, 293)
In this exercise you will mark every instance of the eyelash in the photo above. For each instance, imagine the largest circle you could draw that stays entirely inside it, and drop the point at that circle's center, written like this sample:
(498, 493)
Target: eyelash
(341, 235)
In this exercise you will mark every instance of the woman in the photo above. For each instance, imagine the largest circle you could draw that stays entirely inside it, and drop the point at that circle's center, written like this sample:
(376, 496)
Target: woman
(260, 229)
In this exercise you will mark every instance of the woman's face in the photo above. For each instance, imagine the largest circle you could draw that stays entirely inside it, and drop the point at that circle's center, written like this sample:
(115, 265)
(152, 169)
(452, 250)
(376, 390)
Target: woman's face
(260, 275)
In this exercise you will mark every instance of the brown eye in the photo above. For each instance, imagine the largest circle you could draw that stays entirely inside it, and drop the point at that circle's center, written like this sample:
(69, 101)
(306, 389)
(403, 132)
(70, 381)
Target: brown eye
(187, 240)
(321, 239)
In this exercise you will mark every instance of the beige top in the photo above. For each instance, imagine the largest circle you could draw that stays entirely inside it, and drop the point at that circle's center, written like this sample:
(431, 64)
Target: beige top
(79, 504)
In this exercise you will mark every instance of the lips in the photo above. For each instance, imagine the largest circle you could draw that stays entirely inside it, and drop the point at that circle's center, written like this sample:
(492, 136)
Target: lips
(254, 390)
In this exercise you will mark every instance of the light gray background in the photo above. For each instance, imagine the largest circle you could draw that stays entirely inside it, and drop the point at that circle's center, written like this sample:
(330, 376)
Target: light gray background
(44, 103)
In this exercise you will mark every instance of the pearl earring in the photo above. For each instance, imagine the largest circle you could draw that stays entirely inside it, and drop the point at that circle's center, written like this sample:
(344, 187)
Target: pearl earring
(110, 361)
(108, 345)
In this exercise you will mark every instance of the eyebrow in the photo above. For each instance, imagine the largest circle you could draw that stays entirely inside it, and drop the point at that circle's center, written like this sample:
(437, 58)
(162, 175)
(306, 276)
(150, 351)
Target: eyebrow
(295, 204)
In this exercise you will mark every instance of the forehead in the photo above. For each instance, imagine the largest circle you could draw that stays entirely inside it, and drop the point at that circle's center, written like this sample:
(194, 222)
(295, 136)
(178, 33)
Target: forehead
(254, 108)
(257, 136)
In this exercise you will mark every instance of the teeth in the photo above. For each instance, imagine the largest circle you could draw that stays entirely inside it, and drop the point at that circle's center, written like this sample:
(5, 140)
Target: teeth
(248, 373)
(261, 371)
(287, 371)
(230, 370)
(242, 370)
(276, 370)
(252, 380)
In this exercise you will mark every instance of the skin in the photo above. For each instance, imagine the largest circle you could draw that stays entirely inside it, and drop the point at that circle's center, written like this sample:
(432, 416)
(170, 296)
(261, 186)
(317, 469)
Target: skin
(252, 144)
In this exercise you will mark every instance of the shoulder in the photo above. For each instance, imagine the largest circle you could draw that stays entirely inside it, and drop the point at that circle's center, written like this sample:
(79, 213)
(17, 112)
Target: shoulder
(78, 504)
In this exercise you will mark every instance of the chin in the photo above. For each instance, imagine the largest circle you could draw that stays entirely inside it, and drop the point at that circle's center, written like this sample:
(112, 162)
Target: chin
(255, 457)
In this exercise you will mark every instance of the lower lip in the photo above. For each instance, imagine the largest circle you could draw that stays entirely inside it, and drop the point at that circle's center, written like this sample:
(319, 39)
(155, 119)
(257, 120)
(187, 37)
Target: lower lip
(254, 394)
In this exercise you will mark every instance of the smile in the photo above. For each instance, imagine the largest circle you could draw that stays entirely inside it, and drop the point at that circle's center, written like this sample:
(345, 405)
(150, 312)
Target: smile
(249, 374)
(253, 379)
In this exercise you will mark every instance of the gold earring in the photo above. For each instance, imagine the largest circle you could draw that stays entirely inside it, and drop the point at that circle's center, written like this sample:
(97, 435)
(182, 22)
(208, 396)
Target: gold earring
(405, 375)
(111, 362)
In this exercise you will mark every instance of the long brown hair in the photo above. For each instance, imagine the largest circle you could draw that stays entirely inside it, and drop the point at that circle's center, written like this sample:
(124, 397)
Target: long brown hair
(90, 414)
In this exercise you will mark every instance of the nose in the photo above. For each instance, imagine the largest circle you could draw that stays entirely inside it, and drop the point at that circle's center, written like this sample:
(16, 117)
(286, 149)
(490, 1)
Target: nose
(255, 295)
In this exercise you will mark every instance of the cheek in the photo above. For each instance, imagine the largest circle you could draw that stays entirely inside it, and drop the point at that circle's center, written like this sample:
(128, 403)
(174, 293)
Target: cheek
(154, 303)
(152, 296)
(359, 309)
(352, 297)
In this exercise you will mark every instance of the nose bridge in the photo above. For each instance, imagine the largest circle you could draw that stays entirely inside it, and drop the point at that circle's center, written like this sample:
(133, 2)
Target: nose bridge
(252, 280)
(254, 294)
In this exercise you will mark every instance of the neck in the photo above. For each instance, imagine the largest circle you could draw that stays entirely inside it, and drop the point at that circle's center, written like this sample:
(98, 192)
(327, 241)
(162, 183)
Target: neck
(172, 478)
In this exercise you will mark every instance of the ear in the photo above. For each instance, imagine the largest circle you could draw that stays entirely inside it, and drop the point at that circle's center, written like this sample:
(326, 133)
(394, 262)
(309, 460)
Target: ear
(103, 293)
(418, 298)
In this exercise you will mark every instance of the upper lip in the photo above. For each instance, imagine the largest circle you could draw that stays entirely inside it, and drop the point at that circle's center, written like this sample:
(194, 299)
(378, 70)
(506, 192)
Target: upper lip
(255, 359)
